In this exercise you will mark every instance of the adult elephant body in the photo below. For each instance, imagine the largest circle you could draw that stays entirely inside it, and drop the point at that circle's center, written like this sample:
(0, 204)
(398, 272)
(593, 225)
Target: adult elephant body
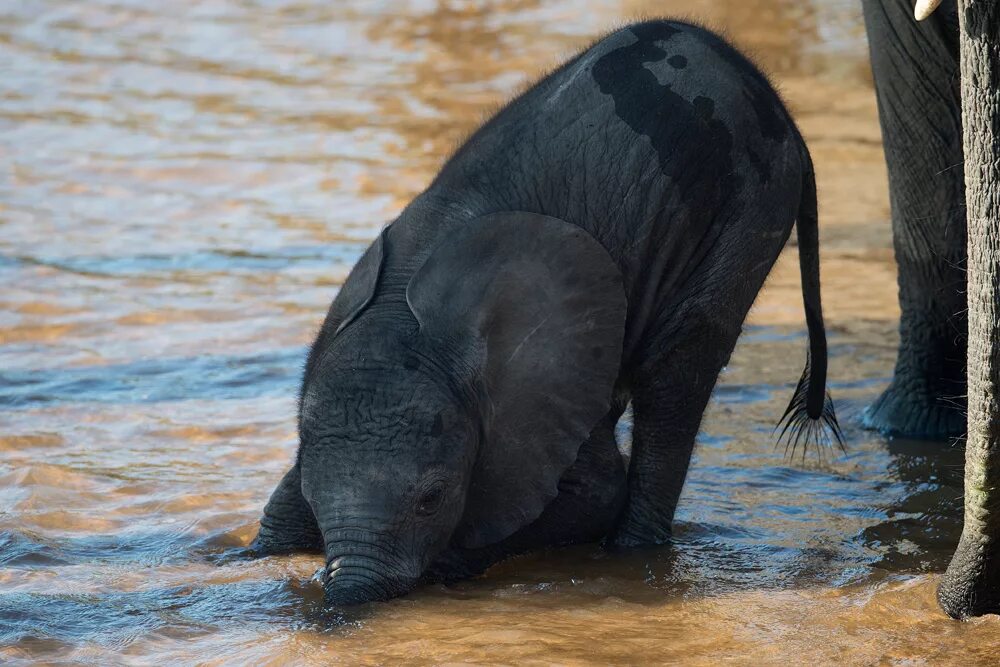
(600, 240)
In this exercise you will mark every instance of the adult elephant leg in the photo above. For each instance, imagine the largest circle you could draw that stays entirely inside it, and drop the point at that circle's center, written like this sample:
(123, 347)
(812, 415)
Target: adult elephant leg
(971, 586)
(915, 66)
(288, 523)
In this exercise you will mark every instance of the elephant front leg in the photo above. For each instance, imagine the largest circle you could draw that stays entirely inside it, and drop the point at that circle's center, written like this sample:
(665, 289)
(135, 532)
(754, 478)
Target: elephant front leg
(915, 66)
(288, 524)
(668, 401)
(591, 493)
(591, 497)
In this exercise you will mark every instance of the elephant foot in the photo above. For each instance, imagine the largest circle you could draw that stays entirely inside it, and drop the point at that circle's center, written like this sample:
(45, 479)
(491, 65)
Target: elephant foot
(631, 534)
(264, 547)
(897, 413)
(971, 585)
(275, 542)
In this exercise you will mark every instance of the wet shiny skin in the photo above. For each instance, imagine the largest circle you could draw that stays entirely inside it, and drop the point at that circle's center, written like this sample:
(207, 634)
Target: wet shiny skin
(183, 189)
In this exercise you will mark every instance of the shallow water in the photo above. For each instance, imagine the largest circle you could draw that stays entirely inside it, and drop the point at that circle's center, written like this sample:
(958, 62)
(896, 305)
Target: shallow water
(183, 186)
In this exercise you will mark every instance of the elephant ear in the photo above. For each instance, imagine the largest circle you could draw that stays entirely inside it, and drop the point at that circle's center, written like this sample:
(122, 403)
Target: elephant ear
(546, 302)
(355, 294)
(359, 288)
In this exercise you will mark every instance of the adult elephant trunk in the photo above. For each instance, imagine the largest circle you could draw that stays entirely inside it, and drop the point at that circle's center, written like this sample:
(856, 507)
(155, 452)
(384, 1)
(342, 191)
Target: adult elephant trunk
(971, 586)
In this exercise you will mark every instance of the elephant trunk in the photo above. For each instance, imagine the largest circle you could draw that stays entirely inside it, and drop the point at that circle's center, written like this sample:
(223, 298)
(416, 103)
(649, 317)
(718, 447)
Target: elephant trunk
(971, 586)
(355, 580)
(363, 566)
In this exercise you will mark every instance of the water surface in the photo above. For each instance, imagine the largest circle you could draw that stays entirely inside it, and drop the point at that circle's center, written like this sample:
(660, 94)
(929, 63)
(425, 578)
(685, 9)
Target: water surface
(184, 185)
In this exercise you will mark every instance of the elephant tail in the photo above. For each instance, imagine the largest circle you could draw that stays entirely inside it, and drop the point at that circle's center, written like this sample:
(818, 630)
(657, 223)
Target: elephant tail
(810, 417)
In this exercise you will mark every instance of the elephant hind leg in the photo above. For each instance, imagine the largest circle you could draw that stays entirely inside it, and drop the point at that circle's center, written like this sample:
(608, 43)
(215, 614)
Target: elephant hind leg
(670, 394)
(683, 350)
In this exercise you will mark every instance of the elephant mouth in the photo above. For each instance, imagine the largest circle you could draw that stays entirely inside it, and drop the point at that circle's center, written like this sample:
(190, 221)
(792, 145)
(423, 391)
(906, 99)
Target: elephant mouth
(351, 581)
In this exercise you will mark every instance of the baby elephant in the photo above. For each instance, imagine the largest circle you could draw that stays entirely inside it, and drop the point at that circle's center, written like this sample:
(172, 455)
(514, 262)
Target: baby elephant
(598, 241)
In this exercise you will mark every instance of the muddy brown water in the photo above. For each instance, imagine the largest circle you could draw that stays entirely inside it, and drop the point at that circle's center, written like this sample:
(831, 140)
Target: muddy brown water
(184, 185)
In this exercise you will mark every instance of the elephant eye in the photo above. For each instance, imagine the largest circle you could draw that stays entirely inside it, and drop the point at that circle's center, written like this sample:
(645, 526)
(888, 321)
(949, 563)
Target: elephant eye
(430, 501)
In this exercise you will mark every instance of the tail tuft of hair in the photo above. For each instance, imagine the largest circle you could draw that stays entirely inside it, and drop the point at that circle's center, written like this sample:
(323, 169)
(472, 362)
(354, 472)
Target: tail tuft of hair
(809, 418)
(808, 425)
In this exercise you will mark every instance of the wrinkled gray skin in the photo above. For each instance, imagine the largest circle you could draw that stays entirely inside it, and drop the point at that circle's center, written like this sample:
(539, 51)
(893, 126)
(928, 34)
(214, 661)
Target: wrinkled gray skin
(916, 72)
(971, 585)
(600, 240)
(924, 97)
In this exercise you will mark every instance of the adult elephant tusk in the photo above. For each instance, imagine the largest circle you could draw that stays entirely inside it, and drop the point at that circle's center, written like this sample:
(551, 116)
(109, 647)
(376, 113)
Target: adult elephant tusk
(925, 8)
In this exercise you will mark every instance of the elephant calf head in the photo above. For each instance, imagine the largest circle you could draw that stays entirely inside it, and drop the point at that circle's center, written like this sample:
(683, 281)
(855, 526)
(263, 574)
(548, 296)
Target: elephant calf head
(387, 444)
(441, 405)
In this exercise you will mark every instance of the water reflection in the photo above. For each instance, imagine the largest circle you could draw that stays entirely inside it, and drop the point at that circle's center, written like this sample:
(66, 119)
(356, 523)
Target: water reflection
(925, 521)
(184, 188)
